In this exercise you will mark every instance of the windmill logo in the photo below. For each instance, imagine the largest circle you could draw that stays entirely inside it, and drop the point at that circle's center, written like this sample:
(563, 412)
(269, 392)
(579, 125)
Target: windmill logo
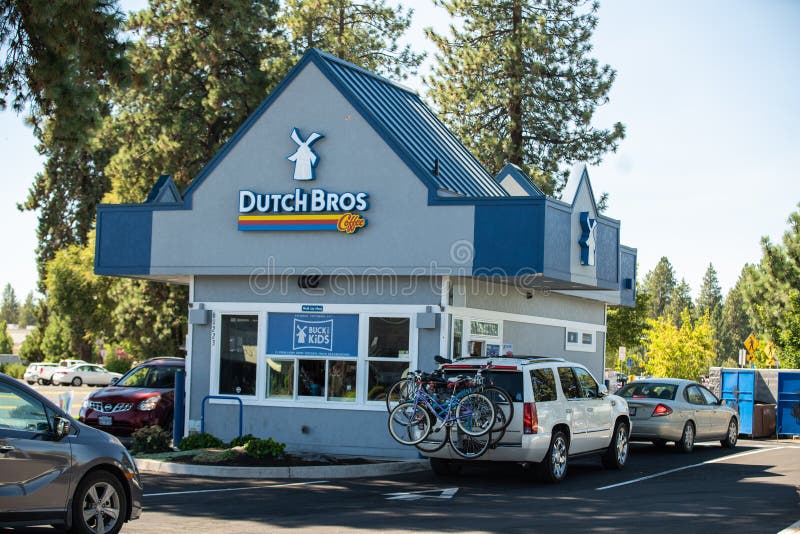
(305, 160)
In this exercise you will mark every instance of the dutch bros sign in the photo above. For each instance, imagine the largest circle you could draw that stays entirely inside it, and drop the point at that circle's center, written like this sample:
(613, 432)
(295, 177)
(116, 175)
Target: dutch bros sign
(315, 209)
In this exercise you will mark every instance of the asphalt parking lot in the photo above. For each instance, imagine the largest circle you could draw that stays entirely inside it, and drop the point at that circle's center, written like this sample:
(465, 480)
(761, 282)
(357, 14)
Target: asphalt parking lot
(754, 488)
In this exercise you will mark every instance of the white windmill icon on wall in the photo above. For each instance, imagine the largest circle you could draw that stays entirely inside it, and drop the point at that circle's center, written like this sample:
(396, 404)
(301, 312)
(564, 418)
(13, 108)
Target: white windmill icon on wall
(305, 160)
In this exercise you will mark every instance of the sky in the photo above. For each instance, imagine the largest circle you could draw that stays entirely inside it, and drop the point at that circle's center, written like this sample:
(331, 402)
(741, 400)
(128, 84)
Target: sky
(707, 92)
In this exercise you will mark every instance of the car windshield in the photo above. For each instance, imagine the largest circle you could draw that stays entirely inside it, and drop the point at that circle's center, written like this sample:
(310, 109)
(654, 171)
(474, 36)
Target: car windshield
(649, 390)
(149, 376)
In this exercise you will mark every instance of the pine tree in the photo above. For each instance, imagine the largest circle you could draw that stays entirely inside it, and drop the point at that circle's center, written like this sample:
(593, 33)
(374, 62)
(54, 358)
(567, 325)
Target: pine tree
(737, 321)
(6, 342)
(710, 293)
(204, 67)
(517, 84)
(680, 300)
(364, 33)
(9, 306)
(27, 313)
(659, 284)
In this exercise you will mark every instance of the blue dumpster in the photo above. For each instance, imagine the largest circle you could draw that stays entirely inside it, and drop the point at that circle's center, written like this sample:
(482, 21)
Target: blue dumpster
(738, 386)
(789, 402)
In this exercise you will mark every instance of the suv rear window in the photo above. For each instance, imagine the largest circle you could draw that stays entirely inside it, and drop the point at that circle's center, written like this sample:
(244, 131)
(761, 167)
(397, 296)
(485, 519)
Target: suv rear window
(544, 385)
(510, 381)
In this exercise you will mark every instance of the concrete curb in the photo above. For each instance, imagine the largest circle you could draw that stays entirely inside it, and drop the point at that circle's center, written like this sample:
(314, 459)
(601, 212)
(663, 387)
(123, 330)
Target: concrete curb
(304, 472)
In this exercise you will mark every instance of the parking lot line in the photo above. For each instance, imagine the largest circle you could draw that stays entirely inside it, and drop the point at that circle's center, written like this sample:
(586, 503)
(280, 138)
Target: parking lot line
(242, 488)
(683, 468)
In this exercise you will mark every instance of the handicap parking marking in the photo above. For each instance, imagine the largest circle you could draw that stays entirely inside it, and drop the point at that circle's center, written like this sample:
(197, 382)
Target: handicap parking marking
(241, 488)
(685, 467)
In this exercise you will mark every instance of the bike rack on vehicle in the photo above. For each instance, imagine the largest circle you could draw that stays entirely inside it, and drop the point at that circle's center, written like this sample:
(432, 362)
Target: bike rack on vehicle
(222, 397)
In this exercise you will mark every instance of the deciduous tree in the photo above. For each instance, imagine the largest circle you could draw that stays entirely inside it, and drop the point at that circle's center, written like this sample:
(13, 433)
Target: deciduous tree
(517, 83)
(625, 328)
(679, 352)
(6, 342)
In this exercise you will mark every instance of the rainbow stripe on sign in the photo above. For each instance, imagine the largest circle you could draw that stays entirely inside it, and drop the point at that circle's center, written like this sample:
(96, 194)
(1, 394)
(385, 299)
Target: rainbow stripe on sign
(342, 222)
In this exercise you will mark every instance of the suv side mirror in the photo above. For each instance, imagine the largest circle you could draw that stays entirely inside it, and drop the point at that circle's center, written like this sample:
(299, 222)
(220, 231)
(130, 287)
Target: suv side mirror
(602, 390)
(62, 427)
(441, 360)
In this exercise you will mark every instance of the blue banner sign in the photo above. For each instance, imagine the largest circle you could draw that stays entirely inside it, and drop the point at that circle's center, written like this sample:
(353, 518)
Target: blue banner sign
(311, 308)
(312, 334)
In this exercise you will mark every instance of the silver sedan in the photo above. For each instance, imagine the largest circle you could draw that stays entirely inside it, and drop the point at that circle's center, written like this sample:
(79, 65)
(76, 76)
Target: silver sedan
(683, 411)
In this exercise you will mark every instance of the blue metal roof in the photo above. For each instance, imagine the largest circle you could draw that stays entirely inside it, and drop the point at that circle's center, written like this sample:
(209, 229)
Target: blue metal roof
(411, 129)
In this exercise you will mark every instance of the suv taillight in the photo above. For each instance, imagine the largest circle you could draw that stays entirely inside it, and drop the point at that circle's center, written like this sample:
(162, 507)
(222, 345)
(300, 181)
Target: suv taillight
(661, 409)
(530, 419)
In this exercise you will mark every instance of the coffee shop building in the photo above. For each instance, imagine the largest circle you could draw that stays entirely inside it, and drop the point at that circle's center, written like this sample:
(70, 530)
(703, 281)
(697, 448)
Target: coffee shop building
(344, 236)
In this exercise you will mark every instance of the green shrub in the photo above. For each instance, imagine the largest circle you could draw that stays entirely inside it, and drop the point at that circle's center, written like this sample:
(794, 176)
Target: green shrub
(151, 439)
(118, 364)
(264, 448)
(216, 457)
(241, 441)
(14, 370)
(201, 440)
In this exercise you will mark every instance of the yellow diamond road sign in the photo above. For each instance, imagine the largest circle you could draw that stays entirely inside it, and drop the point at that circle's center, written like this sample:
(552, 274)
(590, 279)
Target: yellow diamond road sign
(751, 344)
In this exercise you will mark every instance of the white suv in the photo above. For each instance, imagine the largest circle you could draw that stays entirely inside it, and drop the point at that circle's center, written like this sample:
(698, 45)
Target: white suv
(560, 412)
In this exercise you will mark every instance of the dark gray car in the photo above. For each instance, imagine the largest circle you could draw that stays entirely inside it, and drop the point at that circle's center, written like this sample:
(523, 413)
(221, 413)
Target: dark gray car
(55, 470)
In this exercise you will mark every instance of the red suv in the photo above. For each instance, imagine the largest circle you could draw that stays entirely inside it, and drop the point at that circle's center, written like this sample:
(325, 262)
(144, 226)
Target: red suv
(144, 396)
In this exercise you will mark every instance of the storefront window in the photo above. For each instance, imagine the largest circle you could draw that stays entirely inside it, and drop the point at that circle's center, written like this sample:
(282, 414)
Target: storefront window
(238, 355)
(311, 382)
(381, 377)
(458, 336)
(280, 378)
(342, 380)
(483, 328)
(388, 337)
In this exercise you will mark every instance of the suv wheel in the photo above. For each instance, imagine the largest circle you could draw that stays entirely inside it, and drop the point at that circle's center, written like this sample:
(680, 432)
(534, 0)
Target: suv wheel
(99, 505)
(553, 468)
(686, 443)
(617, 452)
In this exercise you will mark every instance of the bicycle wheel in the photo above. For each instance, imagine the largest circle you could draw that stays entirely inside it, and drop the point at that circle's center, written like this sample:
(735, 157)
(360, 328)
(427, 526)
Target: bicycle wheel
(466, 446)
(502, 403)
(409, 423)
(475, 414)
(435, 440)
(401, 391)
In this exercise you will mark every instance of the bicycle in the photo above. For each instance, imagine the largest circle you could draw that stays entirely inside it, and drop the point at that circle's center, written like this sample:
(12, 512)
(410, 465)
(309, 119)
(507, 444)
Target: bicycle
(472, 413)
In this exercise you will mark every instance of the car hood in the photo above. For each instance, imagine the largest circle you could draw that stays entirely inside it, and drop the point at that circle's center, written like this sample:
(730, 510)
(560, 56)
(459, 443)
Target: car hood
(125, 393)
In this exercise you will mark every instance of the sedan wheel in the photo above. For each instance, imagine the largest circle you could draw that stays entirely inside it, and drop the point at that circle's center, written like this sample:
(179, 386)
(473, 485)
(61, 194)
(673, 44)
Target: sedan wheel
(686, 443)
(732, 436)
(77, 381)
(99, 505)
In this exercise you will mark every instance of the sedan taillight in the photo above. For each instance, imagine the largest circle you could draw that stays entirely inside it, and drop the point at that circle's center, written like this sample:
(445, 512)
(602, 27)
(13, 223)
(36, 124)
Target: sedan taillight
(661, 409)
(530, 418)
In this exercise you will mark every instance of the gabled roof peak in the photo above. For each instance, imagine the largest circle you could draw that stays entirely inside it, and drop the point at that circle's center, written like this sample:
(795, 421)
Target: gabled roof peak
(579, 177)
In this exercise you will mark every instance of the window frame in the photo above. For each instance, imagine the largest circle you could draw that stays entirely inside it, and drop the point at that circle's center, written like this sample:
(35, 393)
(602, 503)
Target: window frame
(579, 345)
(216, 351)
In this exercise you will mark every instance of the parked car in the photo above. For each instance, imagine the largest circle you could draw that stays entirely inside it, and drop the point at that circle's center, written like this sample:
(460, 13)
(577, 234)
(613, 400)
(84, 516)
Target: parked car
(144, 396)
(34, 371)
(560, 412)
(46, 374)
(55, 470)
(683, 411)
(89, 374)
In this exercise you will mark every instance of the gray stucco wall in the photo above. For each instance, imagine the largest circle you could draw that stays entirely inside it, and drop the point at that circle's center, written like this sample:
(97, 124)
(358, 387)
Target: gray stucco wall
(403, 232)
(344, 289)
(538, 340)
(484, 295)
